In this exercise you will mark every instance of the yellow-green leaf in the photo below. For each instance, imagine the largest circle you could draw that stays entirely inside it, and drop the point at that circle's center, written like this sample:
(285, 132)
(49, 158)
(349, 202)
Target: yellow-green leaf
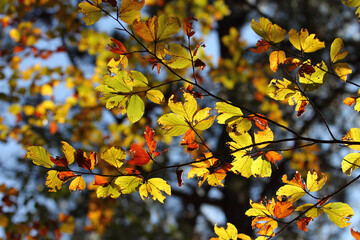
(92, 13)
(339, 213)
(313, 80)
(336, 53)
(186, 109)
(350, 162)
(69, 152)
(261, 167)
(268, 31)
(155, 96)
(180, 57)
(233, 117)
(305, 42)
(342, 70)
(353, 136)
(108, 191)
(154, 186)
(313, 181)
(130, 10)
(40, 156)
(291, 191)
(135, 108)
(174, 125)
(52, 181)
(128, 184)
(115, 156)
(314, 212)
(351, 3)
(168, 26)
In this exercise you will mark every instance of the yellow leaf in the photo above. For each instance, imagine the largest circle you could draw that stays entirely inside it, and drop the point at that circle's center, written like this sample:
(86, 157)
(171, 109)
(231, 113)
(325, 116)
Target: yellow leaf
(292, 192)
(276, 58)
(260, 210)
(15, 34)
(268, 31)
(108, 191)
(46, 90)
(233, 117)
(155, 96)
(314, 212)
(92, 13)
(263, 136)
(342, 70)
(244, 237)
(69, 152)
(313, 182)
(52, 181)
(336, 52)
(156, 29)
(261, 167)
(78, 184)
(130, 10)
(230, 233)
(115, 156)
(29, 110)
(351, 3)
(186, 109)
(39, 156)
(313, 80)
(128, 184)
(174, 125)
(350, 163)
(339, 213)
(180, 57)
(154, 186)
(305, 42)
(353, 136)
(4, 221)
(241, 163)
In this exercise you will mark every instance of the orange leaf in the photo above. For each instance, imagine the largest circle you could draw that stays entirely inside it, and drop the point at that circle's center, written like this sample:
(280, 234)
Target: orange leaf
(53, 127)
(273, 156)
(100, 180)
(349, 101)
(83, 161)
(139, 155)
(303, 222)
(276, 58)
(189, 140)
(261, 46)
(301, 109)
(149, 138)
(283, 209)
(292, 62)
(119, 47)
(66, 175)
(188, 27)
(355, 234)
(259, 122)
(59, 161)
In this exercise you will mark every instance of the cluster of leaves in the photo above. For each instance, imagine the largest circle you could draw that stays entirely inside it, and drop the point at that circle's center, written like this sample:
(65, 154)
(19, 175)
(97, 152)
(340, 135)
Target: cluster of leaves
(126, 91)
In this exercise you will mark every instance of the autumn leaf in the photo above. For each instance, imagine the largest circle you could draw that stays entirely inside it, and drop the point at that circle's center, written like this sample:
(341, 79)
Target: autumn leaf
(342, 70)
(276, 58)
(128, 184)
(179, 56)
(273, 156)
(261, 46)
(313, 181)
(52, 181)
(355, 234)
(69, 152)
(242, 161)
(115, 156)
(154, 186)
(350, 163)
(107, 191)
(303, 222)
(349, 101)
(130, 10)
(100, 180)
(230, 233)
(156, 29)
(233, 117)
(139, 155)
(85, 162)
(188, 26)
(261, 167)
(78, 184)
(311, 80)
(185, 116)
(336, 50)
(119, 47)
(92, 13)
(339, 213)
(353, 136)
(268, 31)
(263, 136)
(39, 156)
(294, 189)
(304, 42)
(189, 141)
(283, 209)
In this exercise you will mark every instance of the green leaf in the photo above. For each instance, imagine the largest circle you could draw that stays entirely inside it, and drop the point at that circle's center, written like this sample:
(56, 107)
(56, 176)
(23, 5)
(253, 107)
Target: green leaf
(135, 108)
(155, 96)
(39, 156)
(180, 57)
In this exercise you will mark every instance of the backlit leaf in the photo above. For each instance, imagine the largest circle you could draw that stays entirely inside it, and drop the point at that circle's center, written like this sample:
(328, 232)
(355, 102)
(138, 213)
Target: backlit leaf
(305, 42)
(135, 108)
(336, 52)
(78, 184)
(311, 211)
(154, 186)
(292, 192)
(339, 213)
(313, 182)
(130, 10)
(276, 58)
(268, 31)
(52, 181)
(115, 156)
(303, 222)
(128, 184)
(263, 136)
(350, 162)
(139, 155)
(230, 233)
(233, 117)
(355, 234)
(313, 80)
(107, 191)
(180, 57)
(69, 152)
(342, 70)
(155, 96)
(92, 13)
(353, 136)
(283, 209)
(261, 167)
(39, 156)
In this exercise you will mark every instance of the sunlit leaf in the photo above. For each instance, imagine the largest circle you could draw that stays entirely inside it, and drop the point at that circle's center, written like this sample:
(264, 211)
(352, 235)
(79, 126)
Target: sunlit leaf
(92, 13)
(230, 233)
(353, 136)
(130, 10)
(107, 191)
(39, 156)
(336, 51)
(115, 156)
(77, 184)
(342, 70)
(276, 58)
(350, 163)
(268, 31)
(52, 181)
(339, 213)
(154, 186)
(304, 42)
(128, 184)
(313, 182)
(261, 167)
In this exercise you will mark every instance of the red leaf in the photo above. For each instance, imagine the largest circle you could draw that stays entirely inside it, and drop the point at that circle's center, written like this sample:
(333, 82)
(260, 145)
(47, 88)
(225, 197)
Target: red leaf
(261, 46)
(200, 64)
(119, 49)
(259, 122)
(355, 234)
(59, 161)
(179, 177)
(306, 69)
(132, 171)
(189, 139)
(188, 26)
(139, 155)
(18, 49)
(100, 180)
(149, 138)
(66, 175)
(83, 161)
(303, 222)
(301, 109)
(112, 2)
